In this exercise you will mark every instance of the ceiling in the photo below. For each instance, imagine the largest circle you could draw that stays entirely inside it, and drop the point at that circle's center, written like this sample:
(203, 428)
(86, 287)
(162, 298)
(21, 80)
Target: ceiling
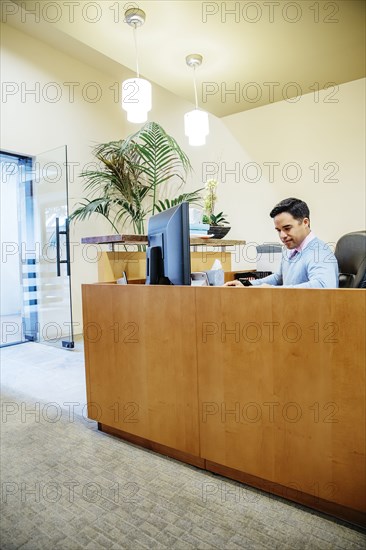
(254, 52)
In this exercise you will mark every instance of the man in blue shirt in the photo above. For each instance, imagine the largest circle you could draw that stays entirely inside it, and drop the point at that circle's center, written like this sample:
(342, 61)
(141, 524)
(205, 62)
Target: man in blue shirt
(307, 262)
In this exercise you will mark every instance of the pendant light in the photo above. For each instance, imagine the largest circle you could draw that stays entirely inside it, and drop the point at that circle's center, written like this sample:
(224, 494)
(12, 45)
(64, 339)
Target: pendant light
(196, 126)
(136, 92)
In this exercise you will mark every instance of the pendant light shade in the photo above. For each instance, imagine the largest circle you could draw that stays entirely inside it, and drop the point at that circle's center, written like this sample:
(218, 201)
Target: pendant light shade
(196, 125)
(136, 99)
(136, 92)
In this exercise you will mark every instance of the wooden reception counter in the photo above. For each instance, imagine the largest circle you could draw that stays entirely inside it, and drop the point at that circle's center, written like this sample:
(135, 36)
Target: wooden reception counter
(266, 386)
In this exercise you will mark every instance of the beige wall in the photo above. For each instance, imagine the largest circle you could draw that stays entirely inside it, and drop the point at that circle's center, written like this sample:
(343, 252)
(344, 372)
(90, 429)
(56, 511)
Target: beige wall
(328, 135)
(319, 141)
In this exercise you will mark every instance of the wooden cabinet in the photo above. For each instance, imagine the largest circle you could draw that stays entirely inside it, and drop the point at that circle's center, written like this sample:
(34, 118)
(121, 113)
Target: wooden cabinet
(141, 362)
(266, 386)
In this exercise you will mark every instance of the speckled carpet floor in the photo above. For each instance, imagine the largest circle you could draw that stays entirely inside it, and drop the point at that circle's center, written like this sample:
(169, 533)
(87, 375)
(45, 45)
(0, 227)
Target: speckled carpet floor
(67, 486)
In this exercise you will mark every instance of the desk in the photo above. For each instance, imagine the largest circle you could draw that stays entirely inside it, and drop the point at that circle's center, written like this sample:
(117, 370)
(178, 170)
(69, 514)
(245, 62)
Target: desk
(266, 386)
(142, 240)
(112, 263)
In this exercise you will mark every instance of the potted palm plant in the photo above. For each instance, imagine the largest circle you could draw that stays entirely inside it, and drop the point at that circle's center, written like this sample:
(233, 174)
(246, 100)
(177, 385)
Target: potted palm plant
(218, 227)
(133, 179)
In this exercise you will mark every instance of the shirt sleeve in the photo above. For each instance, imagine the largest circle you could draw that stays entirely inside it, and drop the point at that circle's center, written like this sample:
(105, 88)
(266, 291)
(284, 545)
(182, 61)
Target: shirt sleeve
(321, 275)
(275, 279)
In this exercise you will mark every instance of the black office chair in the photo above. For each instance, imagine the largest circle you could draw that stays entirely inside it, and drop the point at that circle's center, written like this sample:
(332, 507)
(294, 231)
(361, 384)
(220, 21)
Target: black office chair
(351, 256)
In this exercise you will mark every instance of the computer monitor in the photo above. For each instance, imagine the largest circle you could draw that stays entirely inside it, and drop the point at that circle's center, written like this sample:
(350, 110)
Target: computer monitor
(168, 260)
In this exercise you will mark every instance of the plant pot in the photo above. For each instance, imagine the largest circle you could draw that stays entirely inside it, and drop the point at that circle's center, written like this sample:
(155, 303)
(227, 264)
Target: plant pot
(219, 231)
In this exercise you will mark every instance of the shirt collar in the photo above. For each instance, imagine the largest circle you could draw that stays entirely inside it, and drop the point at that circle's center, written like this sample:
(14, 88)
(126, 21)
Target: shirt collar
(305, 242)
(293, 252)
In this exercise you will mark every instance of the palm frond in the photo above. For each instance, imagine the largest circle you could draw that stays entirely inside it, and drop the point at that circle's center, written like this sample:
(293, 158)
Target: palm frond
(193, 198)
(124, 186)
(100, 206)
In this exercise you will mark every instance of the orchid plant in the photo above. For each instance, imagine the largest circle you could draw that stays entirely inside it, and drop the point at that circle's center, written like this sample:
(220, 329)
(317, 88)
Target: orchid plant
(210, 198)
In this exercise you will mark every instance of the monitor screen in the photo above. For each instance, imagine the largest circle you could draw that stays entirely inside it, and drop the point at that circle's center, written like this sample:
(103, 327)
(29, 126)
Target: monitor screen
(168, 260)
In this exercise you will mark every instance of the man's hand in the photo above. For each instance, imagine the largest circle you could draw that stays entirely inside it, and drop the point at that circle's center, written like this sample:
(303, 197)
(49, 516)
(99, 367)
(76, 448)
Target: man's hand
(239, 284)
(234, 283)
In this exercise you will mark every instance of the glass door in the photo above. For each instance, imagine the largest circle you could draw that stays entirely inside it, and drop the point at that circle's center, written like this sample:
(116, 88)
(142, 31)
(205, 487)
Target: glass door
(11, 283)
(46, 258)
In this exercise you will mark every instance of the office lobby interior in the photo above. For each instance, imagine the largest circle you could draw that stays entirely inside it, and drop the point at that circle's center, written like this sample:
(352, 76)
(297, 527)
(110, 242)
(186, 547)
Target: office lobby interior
(283, 84)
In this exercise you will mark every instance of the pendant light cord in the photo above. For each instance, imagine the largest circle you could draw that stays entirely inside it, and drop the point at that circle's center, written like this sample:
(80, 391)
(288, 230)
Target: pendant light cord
(136, 51)
(195, 86)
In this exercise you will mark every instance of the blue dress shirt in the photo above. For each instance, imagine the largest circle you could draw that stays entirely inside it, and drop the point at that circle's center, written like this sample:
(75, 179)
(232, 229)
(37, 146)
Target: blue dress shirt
(315, 266)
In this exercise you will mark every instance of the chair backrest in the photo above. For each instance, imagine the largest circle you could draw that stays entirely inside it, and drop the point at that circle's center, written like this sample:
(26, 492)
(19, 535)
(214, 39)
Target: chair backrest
(351, 256)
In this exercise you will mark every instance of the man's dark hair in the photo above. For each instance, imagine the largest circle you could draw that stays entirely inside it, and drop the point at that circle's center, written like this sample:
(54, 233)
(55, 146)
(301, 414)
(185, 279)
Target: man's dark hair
(297, 208)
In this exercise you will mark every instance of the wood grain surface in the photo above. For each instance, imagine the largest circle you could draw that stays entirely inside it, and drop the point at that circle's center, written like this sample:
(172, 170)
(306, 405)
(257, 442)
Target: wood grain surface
(141, 361)
(265, 382)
